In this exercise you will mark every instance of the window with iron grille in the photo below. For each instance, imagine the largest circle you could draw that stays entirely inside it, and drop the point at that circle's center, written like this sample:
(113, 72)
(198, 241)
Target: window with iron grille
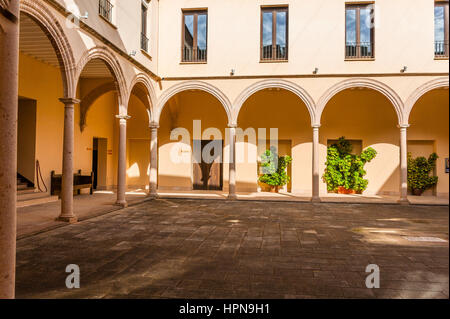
(105, 8)
(274, 34)
(359, 31)
(195, 36)
(441, 28)
(144, 38)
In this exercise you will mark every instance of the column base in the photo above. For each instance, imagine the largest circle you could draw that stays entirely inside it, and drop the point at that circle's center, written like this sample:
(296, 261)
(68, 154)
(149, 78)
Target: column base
(316, 200)
(67, 219)
(403, 201)
(232, 197)
(153, 196)
(124, 204)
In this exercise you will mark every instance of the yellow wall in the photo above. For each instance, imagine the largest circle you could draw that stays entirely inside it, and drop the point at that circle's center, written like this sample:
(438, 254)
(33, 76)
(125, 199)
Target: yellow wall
(430, 122)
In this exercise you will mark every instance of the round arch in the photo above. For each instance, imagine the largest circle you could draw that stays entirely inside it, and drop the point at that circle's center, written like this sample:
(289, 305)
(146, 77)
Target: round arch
(194, 85)
(104, 54)
(143, 79)
(389, 93)
(53, 30)
(267, 84)
(421, 91)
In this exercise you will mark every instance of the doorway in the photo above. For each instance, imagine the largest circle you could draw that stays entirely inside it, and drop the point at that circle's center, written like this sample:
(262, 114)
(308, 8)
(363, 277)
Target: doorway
(26, 140)
(208, 170)
(99, 160)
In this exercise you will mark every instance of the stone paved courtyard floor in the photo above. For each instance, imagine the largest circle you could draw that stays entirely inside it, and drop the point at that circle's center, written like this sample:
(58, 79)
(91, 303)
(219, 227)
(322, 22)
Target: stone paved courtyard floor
(172, 248)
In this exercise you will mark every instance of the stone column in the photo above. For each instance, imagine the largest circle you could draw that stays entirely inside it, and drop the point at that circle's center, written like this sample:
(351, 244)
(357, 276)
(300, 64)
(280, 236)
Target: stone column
(67, 214)
(403, 165)
(315, 166)
(153, 187)
(9, 62)
(232, 165)
(122, 166)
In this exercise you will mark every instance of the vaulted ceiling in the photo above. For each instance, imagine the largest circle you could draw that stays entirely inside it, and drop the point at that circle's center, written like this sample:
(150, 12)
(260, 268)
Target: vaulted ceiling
(35, 43)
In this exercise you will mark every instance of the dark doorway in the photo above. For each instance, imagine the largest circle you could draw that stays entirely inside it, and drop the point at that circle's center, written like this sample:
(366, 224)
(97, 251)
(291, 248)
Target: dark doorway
(99, 158)
(26, 140)
(208, 170)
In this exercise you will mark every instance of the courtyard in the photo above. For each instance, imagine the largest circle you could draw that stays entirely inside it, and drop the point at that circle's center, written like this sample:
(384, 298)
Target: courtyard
(193, 248)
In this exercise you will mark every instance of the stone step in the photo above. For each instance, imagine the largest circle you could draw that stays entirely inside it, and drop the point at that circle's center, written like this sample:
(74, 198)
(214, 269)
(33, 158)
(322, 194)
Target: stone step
(30, 199)
(27, 190)
(22, 186)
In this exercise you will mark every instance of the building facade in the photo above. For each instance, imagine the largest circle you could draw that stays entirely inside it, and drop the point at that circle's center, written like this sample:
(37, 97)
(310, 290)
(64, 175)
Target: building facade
(114, 87)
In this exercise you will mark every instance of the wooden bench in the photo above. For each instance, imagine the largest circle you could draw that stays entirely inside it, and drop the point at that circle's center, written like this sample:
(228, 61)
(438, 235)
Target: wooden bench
(79, 182)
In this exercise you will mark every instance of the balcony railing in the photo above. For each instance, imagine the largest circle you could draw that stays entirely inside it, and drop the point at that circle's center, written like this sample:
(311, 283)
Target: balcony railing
(441, 49)
(194, 54)
(363, 50)
(269, 54)
(144, 42)
(105, 9)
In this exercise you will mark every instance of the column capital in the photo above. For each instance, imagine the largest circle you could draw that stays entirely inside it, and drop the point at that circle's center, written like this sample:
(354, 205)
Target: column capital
(153, 125)
(316, 126)
(403, 126)
(69, 100)
(232, 125)
(123, 117)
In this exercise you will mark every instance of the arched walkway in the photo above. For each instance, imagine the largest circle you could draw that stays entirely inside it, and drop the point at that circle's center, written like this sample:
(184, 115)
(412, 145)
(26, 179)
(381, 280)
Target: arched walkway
(145, 88)
(192, 120)
(421, 91)
(367, 117)
(276, 115)
(429, 130)
(111, 62)
(378, 86)
(37, 11)
(139, 131)
(274, 84)
(194, 85)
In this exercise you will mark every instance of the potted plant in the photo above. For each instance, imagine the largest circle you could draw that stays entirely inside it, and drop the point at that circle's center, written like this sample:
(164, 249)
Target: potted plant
(344, 173)
(274, 170)
(419, 169)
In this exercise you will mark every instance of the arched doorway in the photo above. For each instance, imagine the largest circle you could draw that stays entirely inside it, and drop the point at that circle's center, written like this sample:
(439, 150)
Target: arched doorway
(192, 122)
(283, 113)
(429, 132)
(96, 128)
(365, 116)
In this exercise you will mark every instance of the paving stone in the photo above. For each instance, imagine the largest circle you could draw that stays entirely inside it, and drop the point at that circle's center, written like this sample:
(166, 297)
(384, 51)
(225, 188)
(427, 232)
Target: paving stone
(217, 249)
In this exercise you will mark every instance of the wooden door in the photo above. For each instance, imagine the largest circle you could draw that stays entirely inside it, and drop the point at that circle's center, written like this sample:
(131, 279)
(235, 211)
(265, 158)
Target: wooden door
(208, 174)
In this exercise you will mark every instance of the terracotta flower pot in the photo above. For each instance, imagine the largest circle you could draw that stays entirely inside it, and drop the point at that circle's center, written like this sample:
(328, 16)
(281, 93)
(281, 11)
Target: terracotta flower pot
(343, 190)
(417, 192)
(274, 189)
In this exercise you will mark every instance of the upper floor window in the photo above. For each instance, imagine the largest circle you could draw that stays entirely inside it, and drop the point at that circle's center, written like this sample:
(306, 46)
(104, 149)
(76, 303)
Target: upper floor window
(195, 34)
(144, 38)
(359, 31)
(274, 33)
(441, 40)
(105, 8)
